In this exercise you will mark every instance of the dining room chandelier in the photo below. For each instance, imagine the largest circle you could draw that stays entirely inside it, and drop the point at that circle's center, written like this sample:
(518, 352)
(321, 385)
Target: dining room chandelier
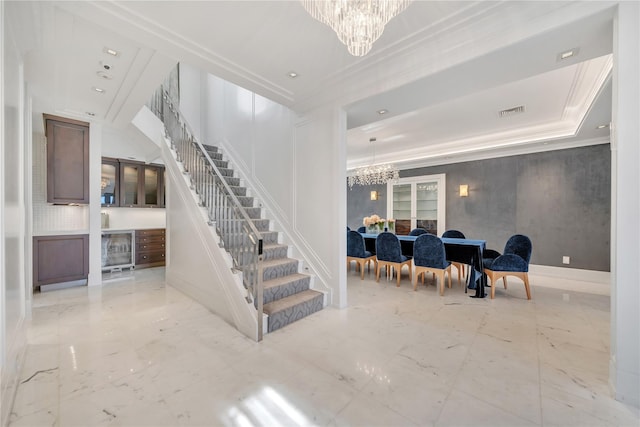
(358, 23)
(373, 174)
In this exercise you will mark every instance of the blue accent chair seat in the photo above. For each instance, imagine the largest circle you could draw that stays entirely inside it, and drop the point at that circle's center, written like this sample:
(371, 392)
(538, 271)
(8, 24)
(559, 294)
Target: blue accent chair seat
(429, 256)
(389, 255)
(356, 252)
(514, 261)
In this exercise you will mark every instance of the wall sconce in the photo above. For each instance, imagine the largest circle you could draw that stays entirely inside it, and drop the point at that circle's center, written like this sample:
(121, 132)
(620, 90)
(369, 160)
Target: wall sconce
(464, 190)
(374, 195)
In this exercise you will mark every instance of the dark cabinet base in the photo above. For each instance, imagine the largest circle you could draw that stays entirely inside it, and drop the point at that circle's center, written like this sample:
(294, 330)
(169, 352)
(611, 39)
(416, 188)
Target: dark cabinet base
(60, 258)
(150, 248)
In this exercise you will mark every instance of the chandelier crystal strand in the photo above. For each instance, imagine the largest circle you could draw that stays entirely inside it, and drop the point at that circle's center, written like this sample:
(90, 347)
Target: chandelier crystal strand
(358, 23)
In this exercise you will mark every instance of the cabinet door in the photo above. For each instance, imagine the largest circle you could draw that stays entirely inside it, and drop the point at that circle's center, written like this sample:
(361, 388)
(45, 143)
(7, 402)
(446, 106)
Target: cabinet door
(418, 202)
(109, 183)
(60, 258)
(153, 194)
(67, 160)
(141, 185)
(130, 183)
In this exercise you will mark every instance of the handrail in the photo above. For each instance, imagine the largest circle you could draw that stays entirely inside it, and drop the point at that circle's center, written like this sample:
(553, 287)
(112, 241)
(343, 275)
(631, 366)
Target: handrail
(239, 235)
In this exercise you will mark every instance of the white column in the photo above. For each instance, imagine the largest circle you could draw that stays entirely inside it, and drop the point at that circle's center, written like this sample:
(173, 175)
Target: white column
(624, 372)
(95, 229)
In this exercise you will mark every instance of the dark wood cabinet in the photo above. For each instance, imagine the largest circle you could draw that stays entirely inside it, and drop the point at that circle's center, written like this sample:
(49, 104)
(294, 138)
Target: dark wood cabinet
(150, 248)
(141, 185)
(60, 258)
(67, 160)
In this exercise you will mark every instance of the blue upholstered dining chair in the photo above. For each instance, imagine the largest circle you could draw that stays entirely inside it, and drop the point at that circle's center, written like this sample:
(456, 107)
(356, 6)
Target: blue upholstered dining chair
(455, 234)
(417, 232)
(362, 229)
(429, 256)
(389, 255)
(356, 252)
(514, 261)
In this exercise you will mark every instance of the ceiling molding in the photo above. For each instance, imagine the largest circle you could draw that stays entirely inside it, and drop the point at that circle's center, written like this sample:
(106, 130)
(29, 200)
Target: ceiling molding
(492, 154)
(175, 45)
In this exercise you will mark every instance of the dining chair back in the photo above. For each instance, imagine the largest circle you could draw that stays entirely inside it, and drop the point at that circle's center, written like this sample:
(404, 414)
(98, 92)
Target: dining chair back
(514, 261)
(418, 232)
(429, 255)
(460, 267)
(356, 252)
(389, 255)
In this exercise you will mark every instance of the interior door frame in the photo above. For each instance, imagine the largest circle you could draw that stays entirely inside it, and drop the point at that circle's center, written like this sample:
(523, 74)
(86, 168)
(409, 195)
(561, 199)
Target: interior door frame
(441, 181)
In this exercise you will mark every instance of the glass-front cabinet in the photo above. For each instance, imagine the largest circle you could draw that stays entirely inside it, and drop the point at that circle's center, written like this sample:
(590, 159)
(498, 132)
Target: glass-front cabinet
(128, 183)
(418, 202)
(109, 182)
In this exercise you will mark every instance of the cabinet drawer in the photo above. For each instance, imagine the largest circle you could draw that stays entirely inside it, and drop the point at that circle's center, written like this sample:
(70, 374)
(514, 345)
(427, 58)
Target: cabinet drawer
(150, 239)
(149, 246)
(149, 257)
(150, 232)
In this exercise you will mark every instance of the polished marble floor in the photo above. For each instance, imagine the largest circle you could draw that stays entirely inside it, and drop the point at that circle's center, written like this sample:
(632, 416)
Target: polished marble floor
(138, 352)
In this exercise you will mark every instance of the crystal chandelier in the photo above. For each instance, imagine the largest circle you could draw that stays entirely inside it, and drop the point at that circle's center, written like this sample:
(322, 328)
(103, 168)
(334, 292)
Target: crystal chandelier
(358, 23)
(374, 174)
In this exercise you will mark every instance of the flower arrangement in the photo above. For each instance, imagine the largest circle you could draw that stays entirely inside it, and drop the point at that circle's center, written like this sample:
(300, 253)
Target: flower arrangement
(391, 225)
(376, 225)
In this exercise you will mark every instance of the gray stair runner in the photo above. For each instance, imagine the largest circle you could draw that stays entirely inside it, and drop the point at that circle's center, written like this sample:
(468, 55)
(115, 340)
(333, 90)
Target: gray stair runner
(287, 296)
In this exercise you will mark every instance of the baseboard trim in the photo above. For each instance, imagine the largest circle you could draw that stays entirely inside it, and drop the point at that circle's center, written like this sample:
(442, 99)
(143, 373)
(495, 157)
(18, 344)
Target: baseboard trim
(571, 279)
(601, 277)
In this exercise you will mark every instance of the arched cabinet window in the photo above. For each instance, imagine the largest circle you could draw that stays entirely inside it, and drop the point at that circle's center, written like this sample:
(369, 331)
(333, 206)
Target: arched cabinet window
(417, 202)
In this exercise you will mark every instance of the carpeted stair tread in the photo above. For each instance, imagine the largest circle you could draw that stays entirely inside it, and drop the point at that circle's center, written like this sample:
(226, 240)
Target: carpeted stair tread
(290, 301)
(280, 281)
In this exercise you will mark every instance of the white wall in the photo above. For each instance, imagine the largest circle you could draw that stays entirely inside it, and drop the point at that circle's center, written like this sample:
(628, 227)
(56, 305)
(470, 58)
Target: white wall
(625, 270)
(12, 214)
(296, 168)
(191, 98)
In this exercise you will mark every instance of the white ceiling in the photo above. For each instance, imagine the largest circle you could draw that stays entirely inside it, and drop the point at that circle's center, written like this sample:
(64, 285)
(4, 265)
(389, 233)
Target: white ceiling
(442, 69)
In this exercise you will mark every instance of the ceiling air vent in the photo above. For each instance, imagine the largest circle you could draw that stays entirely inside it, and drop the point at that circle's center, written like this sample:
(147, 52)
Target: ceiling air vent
(511, 111)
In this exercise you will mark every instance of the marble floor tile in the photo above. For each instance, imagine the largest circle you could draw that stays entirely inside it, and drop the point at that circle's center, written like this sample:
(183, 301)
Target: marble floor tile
(136, 352)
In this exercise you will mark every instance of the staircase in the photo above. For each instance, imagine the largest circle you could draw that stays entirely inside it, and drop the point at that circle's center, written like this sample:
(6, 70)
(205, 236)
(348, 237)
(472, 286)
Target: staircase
(287, 296)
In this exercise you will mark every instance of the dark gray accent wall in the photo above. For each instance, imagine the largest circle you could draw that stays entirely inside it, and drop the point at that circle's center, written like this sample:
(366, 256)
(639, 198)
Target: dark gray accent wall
(560, 199)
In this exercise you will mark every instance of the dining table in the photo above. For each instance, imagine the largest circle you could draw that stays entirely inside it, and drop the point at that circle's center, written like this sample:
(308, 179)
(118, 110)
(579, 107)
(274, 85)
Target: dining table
(466, 251)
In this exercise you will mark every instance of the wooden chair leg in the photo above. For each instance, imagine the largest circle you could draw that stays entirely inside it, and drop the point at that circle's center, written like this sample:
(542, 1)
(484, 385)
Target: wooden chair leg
(493, 287)
(504, 281)
(526, 285)
(378, 272)
(449, 277)
(362, 270)
(398, 274)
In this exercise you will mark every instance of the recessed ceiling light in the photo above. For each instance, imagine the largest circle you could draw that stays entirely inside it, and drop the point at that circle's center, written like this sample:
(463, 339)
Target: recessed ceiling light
(602, 126)
(383, 111)
(292, 74)
(98, 89)
(568, 53)
(111, 51)
(90, 113)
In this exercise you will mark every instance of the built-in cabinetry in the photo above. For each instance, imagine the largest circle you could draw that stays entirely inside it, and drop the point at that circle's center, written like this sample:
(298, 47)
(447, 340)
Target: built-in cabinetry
(150, 248)
(417, 202)
(128, 183)
(67, 160)
(60, 258)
